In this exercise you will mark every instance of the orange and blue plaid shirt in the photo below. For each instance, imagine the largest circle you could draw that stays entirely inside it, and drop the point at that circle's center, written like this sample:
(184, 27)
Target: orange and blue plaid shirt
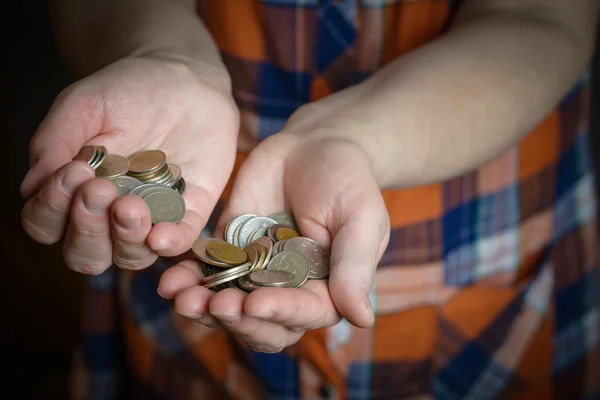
(488, 288)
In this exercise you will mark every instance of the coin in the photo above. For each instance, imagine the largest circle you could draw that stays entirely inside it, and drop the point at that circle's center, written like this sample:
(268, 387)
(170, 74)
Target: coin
(175, 174)
(272, 278)
(147, 161)
(285, 233)
(227, 253)
(267, 249)
(138, 191)
(286, 219)
(99, 158)
(253, 256)
(225, 279)
(292, 262)
(165, 204)
(113, 166)
(87, 154)
(252, 225)
(180, 186)
(234, 224)
(199, 250)
(317, 256)
(125, 184)
(245, 284)
(261, 232)
(156, 176)
(227, 272)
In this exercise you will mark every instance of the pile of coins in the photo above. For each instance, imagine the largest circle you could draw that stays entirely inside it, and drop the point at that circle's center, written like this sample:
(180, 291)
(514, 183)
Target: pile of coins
(145, 174)
(260, 252)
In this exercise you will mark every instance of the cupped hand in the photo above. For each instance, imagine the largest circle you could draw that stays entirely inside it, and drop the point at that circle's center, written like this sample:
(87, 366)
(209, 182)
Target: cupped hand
(327, 184)
(134, 104)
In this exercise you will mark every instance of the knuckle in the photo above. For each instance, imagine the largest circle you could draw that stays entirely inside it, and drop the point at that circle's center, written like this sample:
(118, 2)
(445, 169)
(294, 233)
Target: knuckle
(131, 263)
(38, 230)
(85, 265)
(92, 229)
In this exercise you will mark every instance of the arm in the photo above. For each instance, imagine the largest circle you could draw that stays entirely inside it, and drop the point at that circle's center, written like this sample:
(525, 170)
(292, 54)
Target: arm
(460, 101)
(95, 33)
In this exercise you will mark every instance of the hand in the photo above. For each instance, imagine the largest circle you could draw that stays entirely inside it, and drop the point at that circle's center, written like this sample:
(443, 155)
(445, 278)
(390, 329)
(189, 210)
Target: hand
(327, 184)
(131, 105)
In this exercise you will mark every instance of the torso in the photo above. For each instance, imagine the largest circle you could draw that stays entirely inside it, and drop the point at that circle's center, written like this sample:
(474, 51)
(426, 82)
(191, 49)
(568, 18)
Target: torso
(486, 286)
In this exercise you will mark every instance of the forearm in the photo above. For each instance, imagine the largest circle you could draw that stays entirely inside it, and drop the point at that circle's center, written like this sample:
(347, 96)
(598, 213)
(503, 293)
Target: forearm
(95, 33)
(460, 101)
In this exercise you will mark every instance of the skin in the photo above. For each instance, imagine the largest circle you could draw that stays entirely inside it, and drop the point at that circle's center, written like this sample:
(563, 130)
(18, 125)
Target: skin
(444, 109)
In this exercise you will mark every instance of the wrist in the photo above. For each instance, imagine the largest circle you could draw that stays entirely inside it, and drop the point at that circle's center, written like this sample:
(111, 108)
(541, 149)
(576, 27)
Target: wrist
(210, 70)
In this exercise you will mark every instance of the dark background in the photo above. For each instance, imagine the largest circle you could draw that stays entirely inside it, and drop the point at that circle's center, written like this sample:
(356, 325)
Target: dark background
(40, 297)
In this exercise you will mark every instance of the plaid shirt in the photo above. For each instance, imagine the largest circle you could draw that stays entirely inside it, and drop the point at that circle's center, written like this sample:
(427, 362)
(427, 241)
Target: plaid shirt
(487, 288)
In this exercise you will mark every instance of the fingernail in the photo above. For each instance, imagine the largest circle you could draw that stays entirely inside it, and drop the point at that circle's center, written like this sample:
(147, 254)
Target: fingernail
(29, 173)
(75, 177)
(128, 221)
(96, 203)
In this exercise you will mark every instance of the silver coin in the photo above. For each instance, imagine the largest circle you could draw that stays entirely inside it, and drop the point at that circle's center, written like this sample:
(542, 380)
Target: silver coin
(317, 256)
(165, 204)
(294, 263)
(252, 225)
(234, 224)
(102, 153)
(286, 219)
(271, 278)
(179, 186)
(175, 174)
(257, 234)
(245, 284)
(138, 191)
(125, 184)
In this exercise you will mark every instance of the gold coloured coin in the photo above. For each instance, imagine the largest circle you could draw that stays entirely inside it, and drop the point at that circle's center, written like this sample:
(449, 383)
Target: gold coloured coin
(227, 253)
(146, 162)
(87, 154)
(199, 250)
(285, 233)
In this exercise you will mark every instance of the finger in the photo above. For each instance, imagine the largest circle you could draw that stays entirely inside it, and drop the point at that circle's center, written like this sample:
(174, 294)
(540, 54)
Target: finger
(75, 117)
(168, 239)
(354, 258)
(262, 336)
(193, 303)
(309, 307)
(130, 225)
(257, 186)
(178, 278)
(88, 245)
(45, 215)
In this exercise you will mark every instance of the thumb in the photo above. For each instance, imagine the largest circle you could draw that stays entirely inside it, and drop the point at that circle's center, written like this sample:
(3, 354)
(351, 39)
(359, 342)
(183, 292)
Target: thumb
(73, 119)
(356, 250)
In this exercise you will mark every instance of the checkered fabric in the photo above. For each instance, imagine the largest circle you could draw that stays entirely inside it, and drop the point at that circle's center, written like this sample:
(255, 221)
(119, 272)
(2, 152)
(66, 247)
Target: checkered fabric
(487, 289)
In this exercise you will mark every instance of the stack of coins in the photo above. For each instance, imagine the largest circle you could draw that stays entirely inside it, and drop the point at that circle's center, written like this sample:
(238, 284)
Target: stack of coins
(93, 155)
(151, 167)
(145, 174)
(260, 252)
